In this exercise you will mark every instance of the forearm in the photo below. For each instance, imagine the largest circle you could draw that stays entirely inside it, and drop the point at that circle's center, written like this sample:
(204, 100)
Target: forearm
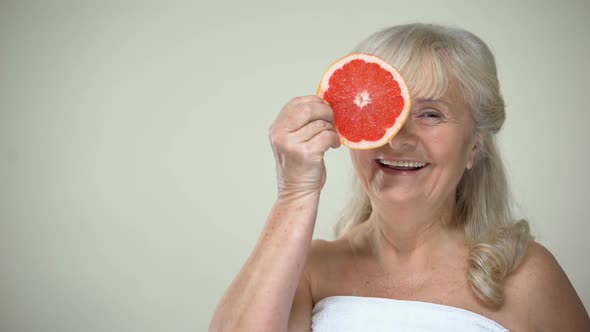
(260, 297)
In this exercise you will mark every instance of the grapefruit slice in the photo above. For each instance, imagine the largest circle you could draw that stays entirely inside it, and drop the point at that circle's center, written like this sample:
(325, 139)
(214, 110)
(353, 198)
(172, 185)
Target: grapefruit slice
(369, 98)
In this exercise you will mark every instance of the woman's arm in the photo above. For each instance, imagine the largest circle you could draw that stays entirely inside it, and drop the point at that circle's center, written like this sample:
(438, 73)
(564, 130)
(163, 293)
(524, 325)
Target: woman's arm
(262, 295)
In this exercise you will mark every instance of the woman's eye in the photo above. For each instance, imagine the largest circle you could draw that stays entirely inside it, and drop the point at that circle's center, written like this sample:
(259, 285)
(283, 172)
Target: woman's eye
(431, 114)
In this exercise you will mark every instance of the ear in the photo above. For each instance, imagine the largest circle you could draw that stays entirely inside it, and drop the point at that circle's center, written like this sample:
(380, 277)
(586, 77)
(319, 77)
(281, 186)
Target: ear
(473, 153)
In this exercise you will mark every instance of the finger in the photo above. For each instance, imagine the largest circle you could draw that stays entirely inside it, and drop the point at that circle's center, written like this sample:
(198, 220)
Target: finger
(307, 99)
(324, 140)
(300, 115)
(313, 128)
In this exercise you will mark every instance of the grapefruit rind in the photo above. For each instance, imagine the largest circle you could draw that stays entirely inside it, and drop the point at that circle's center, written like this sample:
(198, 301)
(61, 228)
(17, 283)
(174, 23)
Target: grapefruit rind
(400, 120)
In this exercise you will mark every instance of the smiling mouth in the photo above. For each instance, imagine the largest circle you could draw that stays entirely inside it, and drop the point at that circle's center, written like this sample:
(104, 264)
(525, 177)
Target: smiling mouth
(402, 165)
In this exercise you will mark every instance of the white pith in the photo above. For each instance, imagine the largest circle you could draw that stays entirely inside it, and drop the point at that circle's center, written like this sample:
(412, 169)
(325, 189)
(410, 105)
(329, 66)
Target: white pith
(408, 164)
(362, 99)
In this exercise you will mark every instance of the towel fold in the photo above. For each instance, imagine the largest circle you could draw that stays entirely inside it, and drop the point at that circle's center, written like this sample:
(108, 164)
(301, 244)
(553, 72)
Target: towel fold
(371, 314)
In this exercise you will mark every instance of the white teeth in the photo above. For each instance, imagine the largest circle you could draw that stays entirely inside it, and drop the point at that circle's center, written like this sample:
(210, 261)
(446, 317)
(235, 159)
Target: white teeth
(408, 164)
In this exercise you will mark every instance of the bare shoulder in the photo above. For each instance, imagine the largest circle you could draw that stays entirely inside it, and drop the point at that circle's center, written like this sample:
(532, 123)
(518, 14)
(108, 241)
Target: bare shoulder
(323, 252)
(328, 264)
(341, 250)
(301, 310)
(541, 291)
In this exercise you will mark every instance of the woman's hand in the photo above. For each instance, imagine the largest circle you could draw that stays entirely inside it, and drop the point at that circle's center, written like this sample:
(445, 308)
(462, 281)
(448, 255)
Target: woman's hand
(302, 132)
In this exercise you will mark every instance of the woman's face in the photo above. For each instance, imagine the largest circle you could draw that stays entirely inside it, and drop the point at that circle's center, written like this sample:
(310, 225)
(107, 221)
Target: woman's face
(426, 159)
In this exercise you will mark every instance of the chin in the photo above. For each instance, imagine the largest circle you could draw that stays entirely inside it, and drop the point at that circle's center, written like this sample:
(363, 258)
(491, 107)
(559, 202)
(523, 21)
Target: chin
(397, 195)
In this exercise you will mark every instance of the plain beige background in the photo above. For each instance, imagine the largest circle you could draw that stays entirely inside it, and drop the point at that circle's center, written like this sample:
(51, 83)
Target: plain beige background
(135, 169)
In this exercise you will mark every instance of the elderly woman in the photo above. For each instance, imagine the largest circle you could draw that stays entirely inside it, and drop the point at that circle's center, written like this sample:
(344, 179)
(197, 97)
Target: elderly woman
(429, 248)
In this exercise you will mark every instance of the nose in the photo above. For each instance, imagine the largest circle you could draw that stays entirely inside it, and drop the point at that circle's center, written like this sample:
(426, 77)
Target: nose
(406, 139)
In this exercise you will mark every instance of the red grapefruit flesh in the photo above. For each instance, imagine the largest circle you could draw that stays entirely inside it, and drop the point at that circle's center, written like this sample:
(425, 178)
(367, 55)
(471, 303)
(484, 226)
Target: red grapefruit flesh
(369, 98)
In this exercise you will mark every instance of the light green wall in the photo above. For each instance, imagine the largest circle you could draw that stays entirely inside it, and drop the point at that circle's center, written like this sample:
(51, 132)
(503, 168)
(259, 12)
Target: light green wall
(135, 170)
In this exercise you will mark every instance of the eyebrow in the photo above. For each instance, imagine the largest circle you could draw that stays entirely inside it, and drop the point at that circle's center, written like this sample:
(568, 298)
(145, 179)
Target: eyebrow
(430, 100)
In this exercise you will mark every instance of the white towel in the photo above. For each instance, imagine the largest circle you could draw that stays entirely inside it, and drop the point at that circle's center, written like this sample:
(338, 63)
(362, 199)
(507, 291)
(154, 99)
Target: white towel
(371, 314)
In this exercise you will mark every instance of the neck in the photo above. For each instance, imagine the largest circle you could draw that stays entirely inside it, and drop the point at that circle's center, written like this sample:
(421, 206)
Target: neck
(407, 233)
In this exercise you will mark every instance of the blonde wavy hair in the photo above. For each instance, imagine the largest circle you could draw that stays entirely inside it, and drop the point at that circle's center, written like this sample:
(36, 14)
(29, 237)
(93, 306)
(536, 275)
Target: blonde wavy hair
(428, 56)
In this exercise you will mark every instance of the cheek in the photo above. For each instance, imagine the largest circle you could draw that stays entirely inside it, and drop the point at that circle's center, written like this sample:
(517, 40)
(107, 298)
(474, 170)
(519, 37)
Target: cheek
(363, 163)
(360, 157)
(451, 148)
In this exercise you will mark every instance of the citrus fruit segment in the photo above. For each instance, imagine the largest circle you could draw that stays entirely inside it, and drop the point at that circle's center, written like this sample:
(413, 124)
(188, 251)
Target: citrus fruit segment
(369, 98)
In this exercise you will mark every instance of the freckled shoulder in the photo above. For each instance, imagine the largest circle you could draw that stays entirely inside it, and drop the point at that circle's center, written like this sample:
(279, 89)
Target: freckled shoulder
(540, 291)
(324, 252)
(326, 266)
